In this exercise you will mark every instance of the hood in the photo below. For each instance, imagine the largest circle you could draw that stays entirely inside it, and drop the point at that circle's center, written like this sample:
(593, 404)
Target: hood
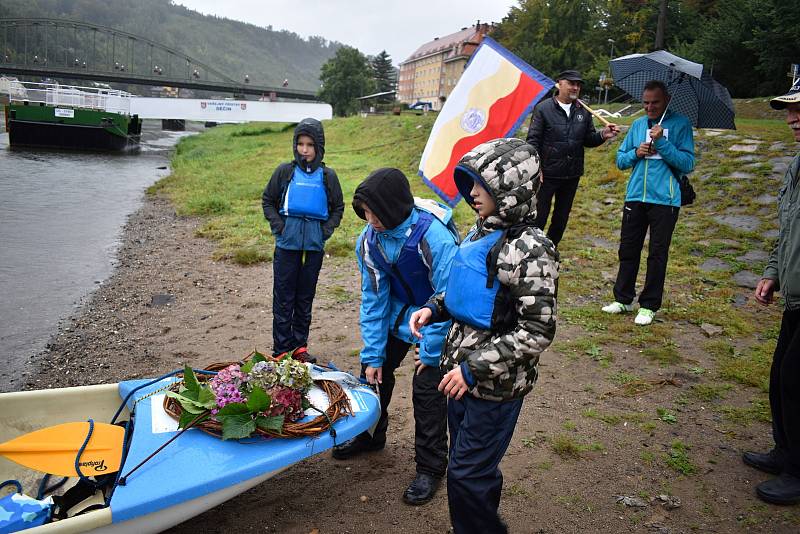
(388, 195)
(509, 169)
(313, 129)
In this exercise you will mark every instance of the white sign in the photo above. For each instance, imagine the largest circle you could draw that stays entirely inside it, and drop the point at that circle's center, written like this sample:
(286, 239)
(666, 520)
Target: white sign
(194, 109)
(67, 113)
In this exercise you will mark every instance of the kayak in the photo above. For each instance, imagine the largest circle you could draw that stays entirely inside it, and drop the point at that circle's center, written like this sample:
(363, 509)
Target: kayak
(191, 475)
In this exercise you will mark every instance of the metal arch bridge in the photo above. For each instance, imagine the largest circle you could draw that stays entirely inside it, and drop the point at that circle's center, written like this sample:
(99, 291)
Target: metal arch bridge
(59, 48)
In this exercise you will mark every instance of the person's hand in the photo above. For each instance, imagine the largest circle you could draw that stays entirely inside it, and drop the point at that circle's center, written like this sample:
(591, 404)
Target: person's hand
(453, 384)
(765, 290)
(610, 131)
(419, 319)
(374, 374)
(645, 149)
(419, 366)
(656, 132)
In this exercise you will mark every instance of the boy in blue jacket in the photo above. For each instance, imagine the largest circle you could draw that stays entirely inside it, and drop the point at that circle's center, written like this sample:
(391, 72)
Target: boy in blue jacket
(404, 256)
(658, 154)
(303, 204)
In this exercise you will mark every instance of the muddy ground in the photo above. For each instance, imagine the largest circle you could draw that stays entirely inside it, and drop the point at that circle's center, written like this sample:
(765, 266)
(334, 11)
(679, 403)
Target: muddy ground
(583, 441)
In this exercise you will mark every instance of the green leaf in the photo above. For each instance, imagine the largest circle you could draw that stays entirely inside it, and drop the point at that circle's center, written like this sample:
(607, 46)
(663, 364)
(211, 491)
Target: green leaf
(258, 357)
(237, 426)
(188, 404)
(189, 379)
(273, 423)
(234, 408)
(206, 398)
(187, 417)
(258, 400)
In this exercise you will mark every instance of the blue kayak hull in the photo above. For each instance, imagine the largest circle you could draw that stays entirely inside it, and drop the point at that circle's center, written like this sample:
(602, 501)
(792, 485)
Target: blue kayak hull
(197, 464)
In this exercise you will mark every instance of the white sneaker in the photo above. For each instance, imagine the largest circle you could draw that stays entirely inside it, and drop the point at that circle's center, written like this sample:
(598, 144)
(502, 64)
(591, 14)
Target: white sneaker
(618, 307)
(644, 317)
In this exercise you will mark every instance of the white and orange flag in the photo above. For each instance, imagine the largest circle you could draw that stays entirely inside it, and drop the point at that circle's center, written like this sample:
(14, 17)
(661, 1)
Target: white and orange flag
(491, 99)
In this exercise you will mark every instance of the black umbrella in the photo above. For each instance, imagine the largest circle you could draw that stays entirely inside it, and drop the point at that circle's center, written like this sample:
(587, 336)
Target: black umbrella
(695, 94)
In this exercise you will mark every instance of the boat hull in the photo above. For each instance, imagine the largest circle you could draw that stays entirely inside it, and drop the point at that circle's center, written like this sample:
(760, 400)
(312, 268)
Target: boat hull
(77, 129)
(190, 476)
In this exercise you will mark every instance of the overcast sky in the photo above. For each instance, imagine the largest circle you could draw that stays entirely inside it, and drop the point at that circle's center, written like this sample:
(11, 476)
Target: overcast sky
(399, 27)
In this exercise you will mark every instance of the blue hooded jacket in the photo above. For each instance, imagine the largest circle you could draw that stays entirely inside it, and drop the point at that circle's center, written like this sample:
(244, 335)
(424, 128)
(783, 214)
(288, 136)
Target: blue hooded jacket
(652, 180)
(381, 313)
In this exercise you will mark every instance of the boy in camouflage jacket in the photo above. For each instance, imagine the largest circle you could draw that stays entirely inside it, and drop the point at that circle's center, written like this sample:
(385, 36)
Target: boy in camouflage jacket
(488, 371)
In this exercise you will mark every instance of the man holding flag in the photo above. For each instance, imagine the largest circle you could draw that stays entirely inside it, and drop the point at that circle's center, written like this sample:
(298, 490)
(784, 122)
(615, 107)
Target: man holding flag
(560, 129)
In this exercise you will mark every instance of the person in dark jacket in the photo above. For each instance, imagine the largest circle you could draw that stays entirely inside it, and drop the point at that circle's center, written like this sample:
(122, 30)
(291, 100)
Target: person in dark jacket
(783, 273)
(303, 203)
(560, 129)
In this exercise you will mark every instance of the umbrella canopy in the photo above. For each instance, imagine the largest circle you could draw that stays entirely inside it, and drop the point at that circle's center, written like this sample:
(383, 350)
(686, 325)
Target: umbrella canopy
(695, 94)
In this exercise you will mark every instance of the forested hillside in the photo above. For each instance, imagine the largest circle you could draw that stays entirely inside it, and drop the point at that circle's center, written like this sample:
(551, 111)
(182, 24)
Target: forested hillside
(231, 47)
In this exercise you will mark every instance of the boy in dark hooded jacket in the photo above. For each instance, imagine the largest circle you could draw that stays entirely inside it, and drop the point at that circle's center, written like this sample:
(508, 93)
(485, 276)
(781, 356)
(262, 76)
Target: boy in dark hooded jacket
(303, 204)
(404, 255)
(501, 295)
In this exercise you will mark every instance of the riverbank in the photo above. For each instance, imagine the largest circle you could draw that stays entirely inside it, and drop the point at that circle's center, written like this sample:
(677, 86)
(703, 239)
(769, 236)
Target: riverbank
(629, 429)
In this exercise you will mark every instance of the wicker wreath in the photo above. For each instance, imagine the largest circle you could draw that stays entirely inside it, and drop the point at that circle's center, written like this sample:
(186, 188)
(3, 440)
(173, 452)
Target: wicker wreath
(339, 406)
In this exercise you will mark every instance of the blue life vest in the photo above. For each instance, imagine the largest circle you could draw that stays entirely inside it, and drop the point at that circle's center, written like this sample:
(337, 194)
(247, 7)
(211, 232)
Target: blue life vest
(409, 277)
(471, 289)
(306, 196)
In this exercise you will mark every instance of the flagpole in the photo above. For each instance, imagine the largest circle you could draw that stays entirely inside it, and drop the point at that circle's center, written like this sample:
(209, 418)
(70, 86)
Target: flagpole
(593, 112)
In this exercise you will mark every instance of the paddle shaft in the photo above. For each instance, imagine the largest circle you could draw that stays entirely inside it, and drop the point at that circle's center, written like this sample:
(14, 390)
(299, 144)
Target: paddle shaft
(124, 479)
(593, 112)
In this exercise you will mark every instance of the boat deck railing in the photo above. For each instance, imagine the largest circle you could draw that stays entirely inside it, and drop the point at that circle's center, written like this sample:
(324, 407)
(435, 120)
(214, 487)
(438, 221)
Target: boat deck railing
(54, 94)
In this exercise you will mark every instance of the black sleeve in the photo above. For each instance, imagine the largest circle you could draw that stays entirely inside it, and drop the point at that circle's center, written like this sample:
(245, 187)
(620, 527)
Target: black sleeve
(592, 137)
(335, 203)
(271, 199)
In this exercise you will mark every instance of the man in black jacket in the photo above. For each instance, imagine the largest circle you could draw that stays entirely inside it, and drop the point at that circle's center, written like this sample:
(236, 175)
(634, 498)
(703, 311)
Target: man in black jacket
(560, 129)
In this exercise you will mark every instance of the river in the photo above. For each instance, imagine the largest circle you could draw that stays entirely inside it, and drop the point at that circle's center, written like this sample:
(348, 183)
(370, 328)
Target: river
(61, 218)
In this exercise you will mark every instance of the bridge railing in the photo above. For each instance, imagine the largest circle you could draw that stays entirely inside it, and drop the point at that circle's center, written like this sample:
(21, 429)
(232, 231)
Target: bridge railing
(54, 94)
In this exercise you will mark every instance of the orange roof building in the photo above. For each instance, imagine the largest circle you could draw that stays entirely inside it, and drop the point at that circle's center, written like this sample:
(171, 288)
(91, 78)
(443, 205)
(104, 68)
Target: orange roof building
(431, 72)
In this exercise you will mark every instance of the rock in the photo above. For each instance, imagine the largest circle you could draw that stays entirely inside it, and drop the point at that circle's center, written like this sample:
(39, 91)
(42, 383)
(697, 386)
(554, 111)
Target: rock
(710, 330)
(670, 502)
(746, 223)
(777, 146)
(738, 175)
(743, 148)
(766, 198)
(753, 256)
(714, 264)
(740, 301)
(162, 299)
(747, 279)
(745, 158)
(713, 133)
(364, 498)
(771, 234)
(602, 243)
(629, 500)
(608, 201)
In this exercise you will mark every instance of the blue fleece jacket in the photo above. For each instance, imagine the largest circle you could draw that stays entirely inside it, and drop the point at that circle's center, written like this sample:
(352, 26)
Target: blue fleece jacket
(380, 310)
(651, 179)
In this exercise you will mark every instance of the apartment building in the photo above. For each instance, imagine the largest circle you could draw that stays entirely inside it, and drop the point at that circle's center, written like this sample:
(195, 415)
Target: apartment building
(431, 72)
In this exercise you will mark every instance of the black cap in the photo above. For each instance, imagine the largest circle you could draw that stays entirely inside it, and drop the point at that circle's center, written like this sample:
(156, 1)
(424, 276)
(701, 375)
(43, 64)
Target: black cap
(571, 75)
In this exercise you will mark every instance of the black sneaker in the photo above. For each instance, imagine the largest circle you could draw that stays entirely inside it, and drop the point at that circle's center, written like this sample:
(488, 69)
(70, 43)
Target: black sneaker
(770, 462)
(359, 444)
(422, 489)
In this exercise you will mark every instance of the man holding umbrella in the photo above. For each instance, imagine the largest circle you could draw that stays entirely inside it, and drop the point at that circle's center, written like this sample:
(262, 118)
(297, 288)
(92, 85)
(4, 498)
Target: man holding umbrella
(659, 148)
(783, 272)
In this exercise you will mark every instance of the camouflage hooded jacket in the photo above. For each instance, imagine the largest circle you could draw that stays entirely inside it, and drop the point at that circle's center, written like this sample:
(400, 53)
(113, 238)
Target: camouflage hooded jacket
(503, 361)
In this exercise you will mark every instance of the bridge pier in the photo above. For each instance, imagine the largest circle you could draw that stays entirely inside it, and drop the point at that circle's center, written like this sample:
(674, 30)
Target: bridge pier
(175, 125)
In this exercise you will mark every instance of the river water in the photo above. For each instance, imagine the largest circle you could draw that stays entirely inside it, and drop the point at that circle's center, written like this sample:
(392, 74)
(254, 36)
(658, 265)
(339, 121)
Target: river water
(61, 218)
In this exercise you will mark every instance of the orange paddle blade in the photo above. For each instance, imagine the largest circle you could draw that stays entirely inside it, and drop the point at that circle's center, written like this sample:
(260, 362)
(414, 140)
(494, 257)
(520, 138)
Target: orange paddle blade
(53, 449)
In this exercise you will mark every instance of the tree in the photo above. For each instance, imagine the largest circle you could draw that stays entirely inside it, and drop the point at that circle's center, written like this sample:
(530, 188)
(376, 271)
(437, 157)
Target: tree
(384, 75)
(346, 76)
